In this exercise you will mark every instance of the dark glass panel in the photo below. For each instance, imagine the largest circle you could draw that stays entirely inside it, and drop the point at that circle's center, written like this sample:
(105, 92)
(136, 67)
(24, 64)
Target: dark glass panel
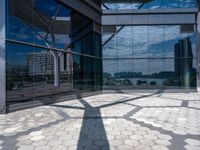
(77, 46)
(98, 45)
(16, 27)
(30, 74)
(19, 75)
(98, 74)
(78, 83)
(88, 74)
(88, 44)
(98, 2)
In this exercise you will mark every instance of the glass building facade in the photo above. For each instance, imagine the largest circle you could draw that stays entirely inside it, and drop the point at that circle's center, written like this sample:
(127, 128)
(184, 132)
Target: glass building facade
(51, 51)
(57, 49)
(150, 56)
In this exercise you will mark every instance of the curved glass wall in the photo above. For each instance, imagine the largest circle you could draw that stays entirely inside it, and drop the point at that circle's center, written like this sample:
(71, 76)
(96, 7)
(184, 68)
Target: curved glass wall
(150, 56)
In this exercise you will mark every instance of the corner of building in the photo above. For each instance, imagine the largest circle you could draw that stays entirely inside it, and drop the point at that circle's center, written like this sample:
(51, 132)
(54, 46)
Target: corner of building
(2, 58)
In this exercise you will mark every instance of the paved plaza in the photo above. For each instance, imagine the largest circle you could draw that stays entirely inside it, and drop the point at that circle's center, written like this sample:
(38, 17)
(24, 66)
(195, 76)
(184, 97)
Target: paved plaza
(114, 120)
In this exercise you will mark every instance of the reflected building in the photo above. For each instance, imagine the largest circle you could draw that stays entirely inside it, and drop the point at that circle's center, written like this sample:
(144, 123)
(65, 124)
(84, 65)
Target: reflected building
(184, 63)
(17, 69)
(40, 63)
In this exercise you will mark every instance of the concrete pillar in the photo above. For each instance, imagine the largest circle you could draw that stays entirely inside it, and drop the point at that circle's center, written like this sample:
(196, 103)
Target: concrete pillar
(2, 58)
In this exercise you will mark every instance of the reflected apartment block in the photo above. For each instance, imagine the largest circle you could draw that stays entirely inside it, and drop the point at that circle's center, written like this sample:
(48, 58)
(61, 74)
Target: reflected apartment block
(40, 63)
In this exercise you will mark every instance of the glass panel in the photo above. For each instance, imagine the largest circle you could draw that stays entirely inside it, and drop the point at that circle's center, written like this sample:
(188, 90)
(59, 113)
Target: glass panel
(78, 82)
(125, 42)
(98, 45)
(140, 72)
(98, 74)
(121, 5)
(88, 74)
(191, 38)
(156, 42)
(141, 41)
(172, 36)
(125, 73)
(154, 4)
(31, 71)
(19, 75)
(30, 74)
(180, 4)
(110, 49)
(16, 28)
(151, 4)
(171, 77)
(88, 44)
(156, 72)
(109, 69)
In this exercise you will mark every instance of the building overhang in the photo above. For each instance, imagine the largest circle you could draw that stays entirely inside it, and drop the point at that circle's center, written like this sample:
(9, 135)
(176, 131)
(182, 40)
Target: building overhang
(150, 17)
(85, 7)
(25, 11)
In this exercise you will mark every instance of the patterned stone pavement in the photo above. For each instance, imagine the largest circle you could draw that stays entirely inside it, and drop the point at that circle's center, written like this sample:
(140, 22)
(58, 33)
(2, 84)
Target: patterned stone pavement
(114, 120)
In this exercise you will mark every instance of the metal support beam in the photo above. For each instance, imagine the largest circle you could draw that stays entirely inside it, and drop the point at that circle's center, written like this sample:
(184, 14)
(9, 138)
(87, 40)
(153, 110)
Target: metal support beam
(112, 36)
(84, 8)
(104, 5)
(198, 52)
(2, 58)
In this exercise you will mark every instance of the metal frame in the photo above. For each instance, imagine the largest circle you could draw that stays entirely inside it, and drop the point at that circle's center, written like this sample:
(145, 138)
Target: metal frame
(2, 57)
(198, 53)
